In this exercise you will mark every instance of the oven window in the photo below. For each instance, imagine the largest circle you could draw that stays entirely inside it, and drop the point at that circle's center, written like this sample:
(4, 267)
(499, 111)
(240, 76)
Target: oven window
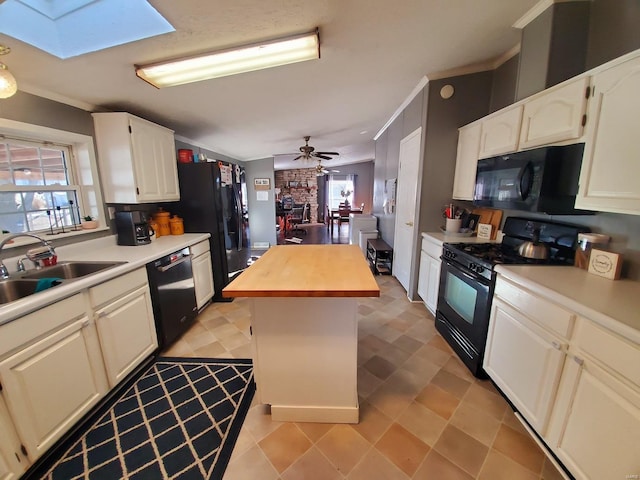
(461, 297)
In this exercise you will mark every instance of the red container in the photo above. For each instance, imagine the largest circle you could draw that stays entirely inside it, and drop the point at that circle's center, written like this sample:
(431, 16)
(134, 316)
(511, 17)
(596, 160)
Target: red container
(185, 155)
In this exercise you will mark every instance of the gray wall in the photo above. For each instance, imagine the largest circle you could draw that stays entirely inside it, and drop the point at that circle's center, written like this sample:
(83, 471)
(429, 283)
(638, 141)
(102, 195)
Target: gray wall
(440, 120)
(614, 29)
(503, 87)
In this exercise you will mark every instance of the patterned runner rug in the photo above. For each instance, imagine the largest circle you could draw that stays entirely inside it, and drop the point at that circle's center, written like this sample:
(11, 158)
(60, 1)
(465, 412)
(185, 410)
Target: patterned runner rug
(180, 420)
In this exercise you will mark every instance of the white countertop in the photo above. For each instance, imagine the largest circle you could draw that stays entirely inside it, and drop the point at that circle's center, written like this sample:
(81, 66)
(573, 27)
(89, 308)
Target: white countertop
(440, 238)
(615, 304)
(101, 249)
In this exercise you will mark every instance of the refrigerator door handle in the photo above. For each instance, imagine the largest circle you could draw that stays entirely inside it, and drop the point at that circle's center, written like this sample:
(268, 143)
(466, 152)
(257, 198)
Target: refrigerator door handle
(238, 208)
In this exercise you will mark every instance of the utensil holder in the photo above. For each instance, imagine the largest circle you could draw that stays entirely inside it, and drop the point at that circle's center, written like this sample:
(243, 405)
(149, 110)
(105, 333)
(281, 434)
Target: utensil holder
(453, 225)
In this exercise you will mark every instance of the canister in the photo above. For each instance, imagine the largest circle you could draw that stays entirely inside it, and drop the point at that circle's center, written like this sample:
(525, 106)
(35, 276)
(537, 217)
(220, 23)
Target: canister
(162, 219)
(176, 225)
(587, 242)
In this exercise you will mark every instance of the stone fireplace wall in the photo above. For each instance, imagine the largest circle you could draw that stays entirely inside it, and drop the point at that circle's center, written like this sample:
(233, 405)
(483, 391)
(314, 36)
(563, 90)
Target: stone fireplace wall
(305, 192)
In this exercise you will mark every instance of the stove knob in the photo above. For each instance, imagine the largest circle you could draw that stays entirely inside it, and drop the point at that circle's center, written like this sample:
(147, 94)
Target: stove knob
(479, 269)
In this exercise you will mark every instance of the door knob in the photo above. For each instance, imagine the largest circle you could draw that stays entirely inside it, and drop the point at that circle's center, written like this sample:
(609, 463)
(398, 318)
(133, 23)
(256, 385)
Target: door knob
(410, 224)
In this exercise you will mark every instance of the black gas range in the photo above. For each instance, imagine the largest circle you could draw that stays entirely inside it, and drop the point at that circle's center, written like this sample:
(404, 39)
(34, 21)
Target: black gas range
(467, 279)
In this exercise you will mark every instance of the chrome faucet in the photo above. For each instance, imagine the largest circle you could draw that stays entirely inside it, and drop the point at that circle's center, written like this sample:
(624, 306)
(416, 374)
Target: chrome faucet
(36, 255)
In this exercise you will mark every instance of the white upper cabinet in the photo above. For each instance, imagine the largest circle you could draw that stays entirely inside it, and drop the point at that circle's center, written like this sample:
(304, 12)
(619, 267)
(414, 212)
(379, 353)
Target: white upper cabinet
(554, 116)
(137, 159)
(500, 132)
(464, 180)
(611, 163)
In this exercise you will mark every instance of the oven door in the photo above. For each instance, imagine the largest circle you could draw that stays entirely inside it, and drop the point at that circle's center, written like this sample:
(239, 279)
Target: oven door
(464, 300)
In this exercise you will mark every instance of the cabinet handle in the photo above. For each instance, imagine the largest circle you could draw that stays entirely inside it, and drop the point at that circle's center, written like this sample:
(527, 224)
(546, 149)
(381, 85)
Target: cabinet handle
(556, 345)
(85, 323)
(579, 361)
(410, 224)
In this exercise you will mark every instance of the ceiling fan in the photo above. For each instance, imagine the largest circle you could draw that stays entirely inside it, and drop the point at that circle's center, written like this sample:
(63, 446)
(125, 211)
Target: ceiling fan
(322, 171)
(309, 152)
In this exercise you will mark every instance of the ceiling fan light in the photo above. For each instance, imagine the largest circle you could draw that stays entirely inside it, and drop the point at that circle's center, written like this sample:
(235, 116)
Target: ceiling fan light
(8, 84)
(249, 58)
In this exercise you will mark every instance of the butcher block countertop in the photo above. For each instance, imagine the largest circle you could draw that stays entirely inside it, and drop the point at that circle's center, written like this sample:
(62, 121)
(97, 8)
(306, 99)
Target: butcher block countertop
(306, 271)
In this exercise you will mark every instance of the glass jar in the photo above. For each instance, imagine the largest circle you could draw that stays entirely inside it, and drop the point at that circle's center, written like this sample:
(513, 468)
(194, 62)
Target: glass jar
(176, 225)
(587, 242)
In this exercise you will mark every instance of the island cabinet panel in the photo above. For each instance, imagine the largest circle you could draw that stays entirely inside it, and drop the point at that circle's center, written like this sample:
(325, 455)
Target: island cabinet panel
(306, 358)
(610, 166)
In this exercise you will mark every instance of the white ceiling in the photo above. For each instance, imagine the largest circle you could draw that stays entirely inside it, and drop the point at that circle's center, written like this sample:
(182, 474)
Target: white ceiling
(373, 53)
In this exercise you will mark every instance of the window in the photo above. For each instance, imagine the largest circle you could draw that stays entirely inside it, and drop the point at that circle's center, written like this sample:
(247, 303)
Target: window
(48, 180)
(37, 190)
(339, 189)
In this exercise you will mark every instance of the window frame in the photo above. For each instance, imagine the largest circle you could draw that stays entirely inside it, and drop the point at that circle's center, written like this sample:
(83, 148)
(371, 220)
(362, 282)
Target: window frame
(82, 164)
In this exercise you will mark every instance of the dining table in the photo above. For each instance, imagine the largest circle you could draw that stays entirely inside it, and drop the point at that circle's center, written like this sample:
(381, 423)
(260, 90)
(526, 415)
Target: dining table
(334, 212)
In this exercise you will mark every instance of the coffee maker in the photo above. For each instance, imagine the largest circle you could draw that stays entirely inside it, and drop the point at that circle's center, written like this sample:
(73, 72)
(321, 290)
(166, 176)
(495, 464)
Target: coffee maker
(133, 228)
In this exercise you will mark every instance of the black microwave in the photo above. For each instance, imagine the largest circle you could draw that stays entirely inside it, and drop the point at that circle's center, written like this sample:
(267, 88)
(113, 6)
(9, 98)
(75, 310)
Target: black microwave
(539, 180)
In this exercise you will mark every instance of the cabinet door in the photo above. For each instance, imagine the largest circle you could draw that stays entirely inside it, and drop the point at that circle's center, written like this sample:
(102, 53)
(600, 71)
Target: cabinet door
(524, 361)
(424, 275)
(51, 384)
(555, 115)
(155, 167)
(500, 132)
(127, 333)
(464, 180)
(610, 166)
(433, 284)
(12, 462)
(203, 278)
(596, 429)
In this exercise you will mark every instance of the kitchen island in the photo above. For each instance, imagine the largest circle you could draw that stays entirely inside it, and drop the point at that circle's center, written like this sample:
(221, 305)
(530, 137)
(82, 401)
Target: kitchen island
(305, 329)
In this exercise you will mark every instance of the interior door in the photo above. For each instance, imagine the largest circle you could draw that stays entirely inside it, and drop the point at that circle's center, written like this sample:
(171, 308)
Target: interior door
(403, 248)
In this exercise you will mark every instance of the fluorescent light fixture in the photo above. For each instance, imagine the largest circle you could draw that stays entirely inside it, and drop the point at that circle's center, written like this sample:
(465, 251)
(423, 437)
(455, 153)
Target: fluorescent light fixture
(248, 58)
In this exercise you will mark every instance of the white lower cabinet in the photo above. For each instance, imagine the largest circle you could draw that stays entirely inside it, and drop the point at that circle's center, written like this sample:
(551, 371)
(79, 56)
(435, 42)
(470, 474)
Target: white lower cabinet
(429, 273)
(576, 382)
(51, 383)
(58, 362)
(202, 273)
(126, 326)
(525, 361)
(12, 461)
(595, 429)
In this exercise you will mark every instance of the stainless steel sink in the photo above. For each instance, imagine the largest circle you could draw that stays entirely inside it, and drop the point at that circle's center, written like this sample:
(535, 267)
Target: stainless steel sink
(69, 270)
(11, 290)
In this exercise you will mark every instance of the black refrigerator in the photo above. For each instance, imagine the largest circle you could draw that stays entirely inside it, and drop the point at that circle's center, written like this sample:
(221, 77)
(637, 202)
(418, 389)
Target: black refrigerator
(213, 200)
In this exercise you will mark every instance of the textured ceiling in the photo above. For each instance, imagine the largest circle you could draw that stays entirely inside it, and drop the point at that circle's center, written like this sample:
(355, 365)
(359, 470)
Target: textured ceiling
(373, 53)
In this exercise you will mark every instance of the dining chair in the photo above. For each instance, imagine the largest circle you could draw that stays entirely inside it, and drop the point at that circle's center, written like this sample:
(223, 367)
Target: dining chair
(343, 216)
(330, 218)
(296, 218)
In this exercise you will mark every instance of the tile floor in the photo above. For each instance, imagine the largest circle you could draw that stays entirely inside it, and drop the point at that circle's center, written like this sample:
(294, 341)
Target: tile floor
(423, 415)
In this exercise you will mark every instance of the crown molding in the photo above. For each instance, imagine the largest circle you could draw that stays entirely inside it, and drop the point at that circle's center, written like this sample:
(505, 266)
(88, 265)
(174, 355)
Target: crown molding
(58, 98)
(537, 9)
(417, 89)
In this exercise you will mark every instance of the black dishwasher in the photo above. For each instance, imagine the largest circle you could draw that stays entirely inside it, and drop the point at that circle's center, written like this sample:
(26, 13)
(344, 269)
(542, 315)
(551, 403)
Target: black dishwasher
(172, 295)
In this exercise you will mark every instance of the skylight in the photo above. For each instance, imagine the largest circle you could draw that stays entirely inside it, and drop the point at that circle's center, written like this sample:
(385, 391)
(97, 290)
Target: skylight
(74, 27)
